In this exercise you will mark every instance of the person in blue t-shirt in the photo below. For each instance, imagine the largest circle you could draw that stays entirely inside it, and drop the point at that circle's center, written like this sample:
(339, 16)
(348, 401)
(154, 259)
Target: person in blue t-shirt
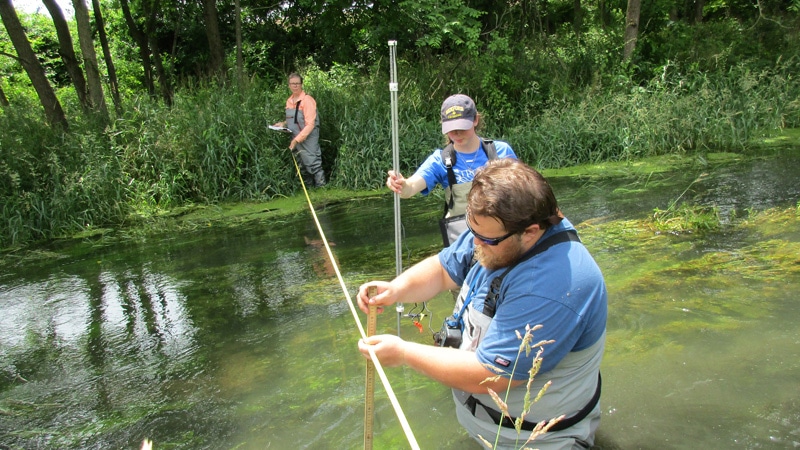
(546, 278)
(460, 119)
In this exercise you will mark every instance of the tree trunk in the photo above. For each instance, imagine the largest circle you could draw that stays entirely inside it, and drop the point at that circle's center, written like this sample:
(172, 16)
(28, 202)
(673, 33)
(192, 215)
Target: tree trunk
(67, 51)
(150, 10)
(698, 10)
(3, 98)
(47, 97)
(577, 19)
(631, 28)
(604, 16)
(144, 50)
(538, 18)
(148, 47)
(239, 59)
(545, 17)
(215, 52)
(89, 58)
(112, 71)
(163, 81)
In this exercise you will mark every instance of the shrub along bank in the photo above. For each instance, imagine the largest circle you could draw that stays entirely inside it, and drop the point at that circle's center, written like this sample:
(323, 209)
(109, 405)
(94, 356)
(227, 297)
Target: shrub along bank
(213, 144)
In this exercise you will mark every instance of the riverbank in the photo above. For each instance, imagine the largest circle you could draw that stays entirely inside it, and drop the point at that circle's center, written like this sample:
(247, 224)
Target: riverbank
(212, 146)
(233, 214)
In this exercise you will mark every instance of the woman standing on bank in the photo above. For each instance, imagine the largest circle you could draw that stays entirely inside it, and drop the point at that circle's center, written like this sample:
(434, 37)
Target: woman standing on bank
(302, 119)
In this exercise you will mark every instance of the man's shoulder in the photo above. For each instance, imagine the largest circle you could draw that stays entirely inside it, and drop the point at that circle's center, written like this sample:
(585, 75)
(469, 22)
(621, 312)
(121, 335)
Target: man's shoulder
(564, 225)
(456, 259)
(555, 242)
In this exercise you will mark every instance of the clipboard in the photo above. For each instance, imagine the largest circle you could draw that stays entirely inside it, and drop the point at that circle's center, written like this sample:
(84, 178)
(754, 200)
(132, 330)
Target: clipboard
(282, 129)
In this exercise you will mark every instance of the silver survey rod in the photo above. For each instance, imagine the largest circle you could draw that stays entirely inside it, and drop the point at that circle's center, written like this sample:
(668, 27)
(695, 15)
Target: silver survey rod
(396, 167)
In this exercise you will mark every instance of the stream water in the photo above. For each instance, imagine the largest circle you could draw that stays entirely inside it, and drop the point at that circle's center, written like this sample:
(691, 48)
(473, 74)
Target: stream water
(242, 337)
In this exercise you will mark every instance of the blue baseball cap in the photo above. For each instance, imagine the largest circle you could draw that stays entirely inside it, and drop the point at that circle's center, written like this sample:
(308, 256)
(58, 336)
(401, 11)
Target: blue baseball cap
(458, 113)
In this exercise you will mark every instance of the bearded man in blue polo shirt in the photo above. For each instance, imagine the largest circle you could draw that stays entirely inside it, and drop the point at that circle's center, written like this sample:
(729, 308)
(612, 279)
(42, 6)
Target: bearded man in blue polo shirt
(532, 270)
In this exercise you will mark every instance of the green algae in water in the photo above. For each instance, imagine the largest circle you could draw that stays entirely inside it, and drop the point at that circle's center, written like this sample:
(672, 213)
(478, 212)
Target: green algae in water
(267, 326)
(672, 284)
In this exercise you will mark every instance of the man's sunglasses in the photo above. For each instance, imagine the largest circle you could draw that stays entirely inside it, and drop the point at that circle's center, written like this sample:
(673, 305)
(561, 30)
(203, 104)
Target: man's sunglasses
(490, 241)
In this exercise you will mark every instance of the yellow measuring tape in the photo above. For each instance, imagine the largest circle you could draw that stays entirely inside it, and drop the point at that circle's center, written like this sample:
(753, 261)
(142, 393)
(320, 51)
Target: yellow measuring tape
(372, 317)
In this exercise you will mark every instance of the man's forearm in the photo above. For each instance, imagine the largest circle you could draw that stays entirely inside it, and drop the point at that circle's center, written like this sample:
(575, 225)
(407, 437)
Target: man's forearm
(459, 369)
(423, 281)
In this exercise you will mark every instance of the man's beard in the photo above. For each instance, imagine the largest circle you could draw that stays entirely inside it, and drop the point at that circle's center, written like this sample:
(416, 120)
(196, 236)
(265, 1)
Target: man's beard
(496, 261)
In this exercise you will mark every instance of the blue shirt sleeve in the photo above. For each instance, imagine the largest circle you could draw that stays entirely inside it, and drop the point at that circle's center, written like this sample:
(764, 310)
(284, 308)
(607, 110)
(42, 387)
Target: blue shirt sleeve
(457, 258)
(433, 171)
(504, 150)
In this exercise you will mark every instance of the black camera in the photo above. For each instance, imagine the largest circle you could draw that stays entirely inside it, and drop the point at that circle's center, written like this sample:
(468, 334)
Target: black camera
(449, 335)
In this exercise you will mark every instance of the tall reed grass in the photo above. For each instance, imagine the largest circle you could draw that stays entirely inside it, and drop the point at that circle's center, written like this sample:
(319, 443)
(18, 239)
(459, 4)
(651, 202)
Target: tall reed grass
(213, 144)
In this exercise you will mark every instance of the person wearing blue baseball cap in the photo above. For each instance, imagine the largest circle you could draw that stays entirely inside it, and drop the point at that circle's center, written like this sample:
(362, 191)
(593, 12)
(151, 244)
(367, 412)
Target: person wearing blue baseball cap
(452, 167)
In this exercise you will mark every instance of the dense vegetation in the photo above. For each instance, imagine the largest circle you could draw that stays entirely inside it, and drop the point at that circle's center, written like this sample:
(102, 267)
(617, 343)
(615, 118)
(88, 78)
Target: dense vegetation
(550, 77)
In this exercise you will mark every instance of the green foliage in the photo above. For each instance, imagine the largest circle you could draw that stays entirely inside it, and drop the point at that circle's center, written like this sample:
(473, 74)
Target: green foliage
(209, 146)
(674, 112)
(441, 24)
(686, 218)
(498, 78)
(52, 185)
(42, 36)
(558, 95)
(213, 144)
(719, 44)
(682, 217)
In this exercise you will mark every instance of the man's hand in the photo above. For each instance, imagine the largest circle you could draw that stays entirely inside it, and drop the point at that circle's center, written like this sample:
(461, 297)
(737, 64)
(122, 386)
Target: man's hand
(384, 296)
(389, 349)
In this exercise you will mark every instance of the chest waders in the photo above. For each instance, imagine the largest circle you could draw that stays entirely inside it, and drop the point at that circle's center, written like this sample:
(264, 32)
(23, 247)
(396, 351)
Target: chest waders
(476, 323)
(454, 220)
(309, 150)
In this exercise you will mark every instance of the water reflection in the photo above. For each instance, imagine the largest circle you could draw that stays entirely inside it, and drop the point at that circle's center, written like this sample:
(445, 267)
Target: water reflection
(242, 338)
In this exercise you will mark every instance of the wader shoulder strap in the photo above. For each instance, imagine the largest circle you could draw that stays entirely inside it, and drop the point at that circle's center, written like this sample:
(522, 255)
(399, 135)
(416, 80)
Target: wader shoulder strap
(488, 148)
(449, 160)
(490, 304)
(562, 424)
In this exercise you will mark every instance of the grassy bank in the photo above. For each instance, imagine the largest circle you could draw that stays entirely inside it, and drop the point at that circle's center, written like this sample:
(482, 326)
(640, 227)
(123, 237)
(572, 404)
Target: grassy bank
(213, 145)
(227, 215)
